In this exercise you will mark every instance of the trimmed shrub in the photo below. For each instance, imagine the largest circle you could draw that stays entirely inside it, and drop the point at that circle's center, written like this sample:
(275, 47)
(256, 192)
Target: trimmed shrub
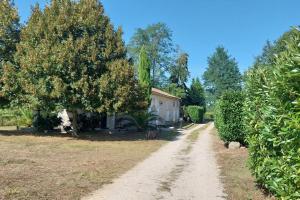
(229, 117)
(209, 116)
(195, 113)
(272, 120)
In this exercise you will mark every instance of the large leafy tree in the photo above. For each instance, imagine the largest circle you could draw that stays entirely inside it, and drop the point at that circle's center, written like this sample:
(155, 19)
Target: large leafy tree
(221, 74)
(157, 40)
(9, 37)
(179, 74)
(9, 30)
(144, 68)
(71, 57)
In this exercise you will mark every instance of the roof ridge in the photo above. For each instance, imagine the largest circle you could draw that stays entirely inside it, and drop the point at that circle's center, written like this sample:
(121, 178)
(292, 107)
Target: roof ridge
(158, 91)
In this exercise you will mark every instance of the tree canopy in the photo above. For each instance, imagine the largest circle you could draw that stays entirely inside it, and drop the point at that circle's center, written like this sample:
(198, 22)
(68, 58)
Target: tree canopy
(9, 30)
(179, 73)
(196, 95)
(144, 68)
(70, 56)
(9, 37)
(157, 40)
(272, 49)
(221, 74)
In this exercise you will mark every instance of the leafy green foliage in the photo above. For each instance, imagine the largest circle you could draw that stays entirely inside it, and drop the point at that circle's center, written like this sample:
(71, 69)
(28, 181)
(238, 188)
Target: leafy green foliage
(9, 37)
(179, 73)
(157, 40)
(195, 113)
(143, 120)
(195, 95)
(9, 30)
(222, 74)
(209, 116)
(272, 120)
(272, 49)
(16, 117)
(144, 73)
(173, 89)
(70, 56)
(25, 117)
(229, 117)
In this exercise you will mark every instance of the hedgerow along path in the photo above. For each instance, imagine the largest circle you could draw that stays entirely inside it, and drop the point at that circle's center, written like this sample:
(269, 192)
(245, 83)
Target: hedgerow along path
(183, 169)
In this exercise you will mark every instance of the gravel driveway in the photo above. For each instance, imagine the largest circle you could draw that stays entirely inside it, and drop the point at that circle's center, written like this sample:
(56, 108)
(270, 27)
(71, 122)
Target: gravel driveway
(181, 170)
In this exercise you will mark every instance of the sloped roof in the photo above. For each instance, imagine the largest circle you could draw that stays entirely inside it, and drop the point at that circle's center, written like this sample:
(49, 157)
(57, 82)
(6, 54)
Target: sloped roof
(158, 92)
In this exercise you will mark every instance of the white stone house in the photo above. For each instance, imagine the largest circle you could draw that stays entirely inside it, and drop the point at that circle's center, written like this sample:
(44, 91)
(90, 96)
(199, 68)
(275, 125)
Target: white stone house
(163, 104)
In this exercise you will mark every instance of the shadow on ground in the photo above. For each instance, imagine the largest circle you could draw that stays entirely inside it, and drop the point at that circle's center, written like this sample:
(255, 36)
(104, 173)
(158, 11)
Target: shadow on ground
(103, 135)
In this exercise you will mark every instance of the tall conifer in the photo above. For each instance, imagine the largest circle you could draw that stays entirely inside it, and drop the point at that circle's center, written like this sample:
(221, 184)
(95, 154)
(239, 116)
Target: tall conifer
(144, 73)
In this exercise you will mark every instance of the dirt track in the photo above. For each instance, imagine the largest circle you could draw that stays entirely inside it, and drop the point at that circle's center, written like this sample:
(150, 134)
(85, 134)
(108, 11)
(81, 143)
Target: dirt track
(181, 170)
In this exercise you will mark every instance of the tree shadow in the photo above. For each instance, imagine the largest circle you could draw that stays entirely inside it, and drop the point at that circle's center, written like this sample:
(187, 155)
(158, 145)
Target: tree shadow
(103, 135)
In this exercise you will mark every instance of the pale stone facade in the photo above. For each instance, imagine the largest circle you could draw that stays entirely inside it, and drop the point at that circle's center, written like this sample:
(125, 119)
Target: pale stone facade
(166, 106)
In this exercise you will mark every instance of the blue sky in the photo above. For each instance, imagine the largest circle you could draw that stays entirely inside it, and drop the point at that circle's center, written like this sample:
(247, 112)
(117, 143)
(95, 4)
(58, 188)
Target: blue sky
(241, 26)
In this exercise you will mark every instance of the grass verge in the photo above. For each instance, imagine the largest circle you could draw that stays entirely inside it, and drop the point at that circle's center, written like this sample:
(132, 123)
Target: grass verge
(238, 181)
(55, 167)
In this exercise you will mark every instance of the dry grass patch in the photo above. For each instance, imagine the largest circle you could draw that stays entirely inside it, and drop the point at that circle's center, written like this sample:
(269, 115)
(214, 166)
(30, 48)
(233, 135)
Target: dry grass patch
(238, 181)
(54, 167)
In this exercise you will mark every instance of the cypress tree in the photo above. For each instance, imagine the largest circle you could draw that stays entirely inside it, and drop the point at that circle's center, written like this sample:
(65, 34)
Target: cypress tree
(144, 73)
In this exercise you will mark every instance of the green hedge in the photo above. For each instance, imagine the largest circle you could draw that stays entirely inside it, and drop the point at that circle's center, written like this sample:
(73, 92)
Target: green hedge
(209, 116)
(195, 113)
(229, 117)
(272, 120)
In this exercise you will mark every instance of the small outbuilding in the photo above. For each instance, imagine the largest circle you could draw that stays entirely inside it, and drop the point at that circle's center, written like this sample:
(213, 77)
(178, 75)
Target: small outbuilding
(165, 105)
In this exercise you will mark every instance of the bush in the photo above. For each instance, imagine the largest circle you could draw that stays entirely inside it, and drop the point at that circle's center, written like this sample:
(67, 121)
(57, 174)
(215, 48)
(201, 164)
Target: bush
(229, 117)
(16, 117)
(273, 121)
(209, 116)
(195, 113)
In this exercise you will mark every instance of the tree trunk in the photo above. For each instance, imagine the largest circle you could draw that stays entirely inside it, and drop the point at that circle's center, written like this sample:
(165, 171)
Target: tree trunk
(74, 122)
